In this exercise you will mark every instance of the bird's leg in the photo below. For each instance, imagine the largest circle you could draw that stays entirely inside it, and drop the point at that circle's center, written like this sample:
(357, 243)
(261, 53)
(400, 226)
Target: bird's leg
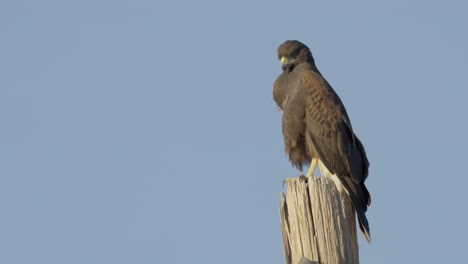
(310, 173)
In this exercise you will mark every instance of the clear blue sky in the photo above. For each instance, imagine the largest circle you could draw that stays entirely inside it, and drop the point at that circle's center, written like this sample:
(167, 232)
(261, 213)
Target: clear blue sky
(145, 131)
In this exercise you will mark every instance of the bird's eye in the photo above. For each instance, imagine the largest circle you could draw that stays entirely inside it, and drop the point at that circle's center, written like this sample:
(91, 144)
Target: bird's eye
(294, 53)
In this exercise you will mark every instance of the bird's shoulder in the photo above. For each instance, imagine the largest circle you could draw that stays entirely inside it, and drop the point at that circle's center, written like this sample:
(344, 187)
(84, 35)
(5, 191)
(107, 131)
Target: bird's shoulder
(324, 106)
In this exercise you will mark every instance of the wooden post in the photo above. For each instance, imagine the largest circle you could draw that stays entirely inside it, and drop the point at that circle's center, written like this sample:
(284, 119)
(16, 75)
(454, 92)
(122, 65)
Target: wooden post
(317, 224)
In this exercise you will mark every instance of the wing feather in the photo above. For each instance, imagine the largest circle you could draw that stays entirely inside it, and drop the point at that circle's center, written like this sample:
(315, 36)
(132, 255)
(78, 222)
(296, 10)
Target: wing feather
(328, 125)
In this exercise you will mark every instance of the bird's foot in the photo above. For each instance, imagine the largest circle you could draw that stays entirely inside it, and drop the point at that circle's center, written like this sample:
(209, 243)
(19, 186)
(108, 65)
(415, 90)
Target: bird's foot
(311, 170)
(303, 178)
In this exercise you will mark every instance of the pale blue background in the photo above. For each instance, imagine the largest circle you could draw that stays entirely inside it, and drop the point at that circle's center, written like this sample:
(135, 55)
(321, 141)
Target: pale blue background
(145, 131)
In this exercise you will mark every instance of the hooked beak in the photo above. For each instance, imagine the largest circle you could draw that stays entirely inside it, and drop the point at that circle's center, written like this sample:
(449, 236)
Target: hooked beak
(284, 63)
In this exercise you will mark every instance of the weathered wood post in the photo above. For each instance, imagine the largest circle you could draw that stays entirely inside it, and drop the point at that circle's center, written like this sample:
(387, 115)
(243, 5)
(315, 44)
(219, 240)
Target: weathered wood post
(317, 223)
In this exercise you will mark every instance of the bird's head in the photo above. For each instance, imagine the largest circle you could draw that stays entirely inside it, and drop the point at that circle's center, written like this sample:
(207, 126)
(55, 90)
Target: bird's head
(292, 53)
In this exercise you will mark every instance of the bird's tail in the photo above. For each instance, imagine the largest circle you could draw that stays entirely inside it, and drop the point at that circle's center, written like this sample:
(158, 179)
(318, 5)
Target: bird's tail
(358, 194)
(360, 198)
(364, 226)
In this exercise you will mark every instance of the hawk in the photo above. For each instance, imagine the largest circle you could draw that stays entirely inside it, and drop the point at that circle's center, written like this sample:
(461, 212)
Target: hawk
(317, 129)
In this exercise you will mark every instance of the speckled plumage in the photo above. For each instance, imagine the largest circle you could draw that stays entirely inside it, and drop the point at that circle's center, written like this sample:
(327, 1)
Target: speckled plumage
(315, 124)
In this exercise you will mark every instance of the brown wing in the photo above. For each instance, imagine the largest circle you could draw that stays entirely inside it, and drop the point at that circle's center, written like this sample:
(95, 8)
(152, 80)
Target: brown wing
(330, 130)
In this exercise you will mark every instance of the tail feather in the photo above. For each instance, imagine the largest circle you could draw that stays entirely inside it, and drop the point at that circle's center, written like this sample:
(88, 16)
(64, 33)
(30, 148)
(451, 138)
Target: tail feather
(358, 194)
(364, 226)
(360, 198)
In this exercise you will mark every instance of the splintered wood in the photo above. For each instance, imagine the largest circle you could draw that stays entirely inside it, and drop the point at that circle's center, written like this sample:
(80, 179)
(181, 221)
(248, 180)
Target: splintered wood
(316, 223)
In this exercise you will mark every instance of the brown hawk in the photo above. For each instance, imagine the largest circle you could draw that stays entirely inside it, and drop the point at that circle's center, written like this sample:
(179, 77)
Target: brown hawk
(317, 129)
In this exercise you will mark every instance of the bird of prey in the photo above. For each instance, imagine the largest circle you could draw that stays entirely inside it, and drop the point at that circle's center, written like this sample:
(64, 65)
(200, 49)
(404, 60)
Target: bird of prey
(317, 129)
